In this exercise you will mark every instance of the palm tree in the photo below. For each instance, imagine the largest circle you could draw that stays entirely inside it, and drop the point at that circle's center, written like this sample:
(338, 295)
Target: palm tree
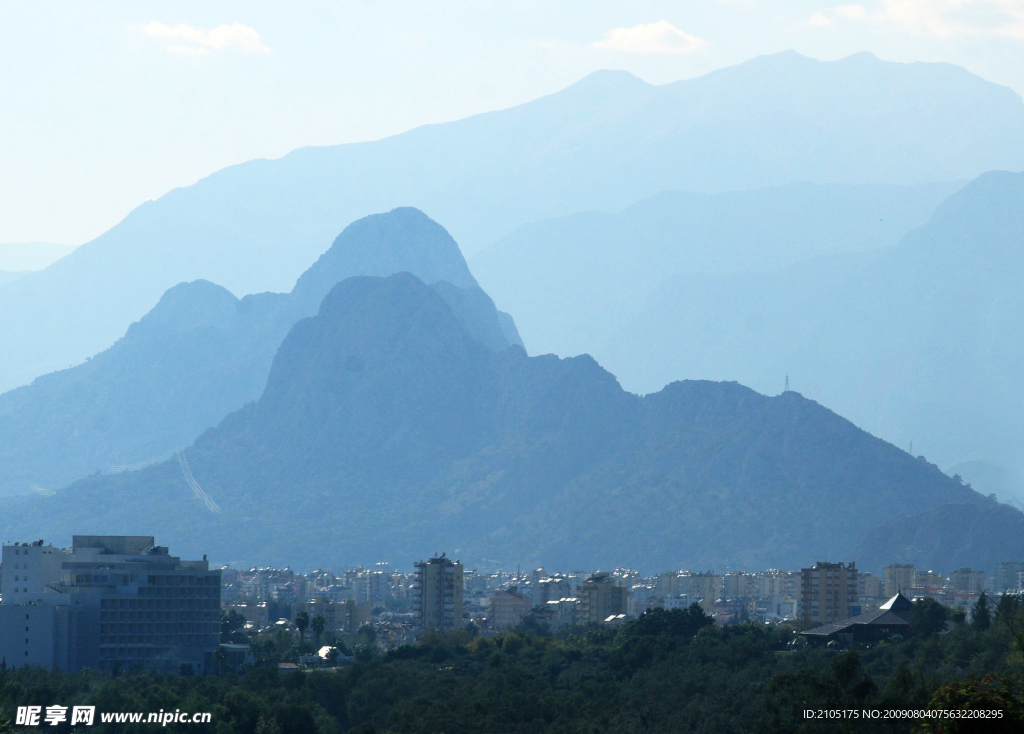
(302, 622)
(318, 625)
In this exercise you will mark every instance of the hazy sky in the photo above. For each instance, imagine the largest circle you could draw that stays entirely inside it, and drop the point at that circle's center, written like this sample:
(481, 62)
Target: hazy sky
(103, 106)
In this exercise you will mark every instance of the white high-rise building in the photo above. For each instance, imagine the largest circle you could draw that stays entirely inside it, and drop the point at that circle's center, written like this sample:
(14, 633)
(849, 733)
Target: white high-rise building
(110, 602)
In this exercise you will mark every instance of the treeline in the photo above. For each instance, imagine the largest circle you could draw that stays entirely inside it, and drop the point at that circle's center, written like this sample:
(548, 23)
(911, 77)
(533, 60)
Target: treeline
(667, 671)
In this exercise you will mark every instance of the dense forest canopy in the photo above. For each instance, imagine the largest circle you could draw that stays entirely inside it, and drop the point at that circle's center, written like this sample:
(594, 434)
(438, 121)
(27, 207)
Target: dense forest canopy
(667, 671)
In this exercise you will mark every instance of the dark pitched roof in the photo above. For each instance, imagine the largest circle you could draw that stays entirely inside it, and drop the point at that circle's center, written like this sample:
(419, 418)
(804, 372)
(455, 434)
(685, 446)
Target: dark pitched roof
(898, 603)
(894, 612)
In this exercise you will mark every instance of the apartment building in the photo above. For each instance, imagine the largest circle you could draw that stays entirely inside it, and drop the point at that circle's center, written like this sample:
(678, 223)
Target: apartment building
(897, 577)
(438, 593)
(828, 592)
(601, 597)
(508, 607)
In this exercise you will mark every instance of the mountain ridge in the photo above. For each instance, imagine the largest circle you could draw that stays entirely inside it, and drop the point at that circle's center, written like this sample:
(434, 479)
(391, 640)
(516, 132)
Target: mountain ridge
(201, 353)
(254, 227)
(385, 428)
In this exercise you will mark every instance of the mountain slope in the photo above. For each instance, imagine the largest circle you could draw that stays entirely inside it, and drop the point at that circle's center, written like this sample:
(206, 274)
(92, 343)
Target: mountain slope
(28, 256)
(948, 537)
(572, 280)
(917, 343)
(608, 140)
(386, 431)
(201, 353)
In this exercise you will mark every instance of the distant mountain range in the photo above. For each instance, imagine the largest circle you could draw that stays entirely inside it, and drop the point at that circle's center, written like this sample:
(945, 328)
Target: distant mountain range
(387, 431)
(916, 343)
(603, 143)
(572, 281)
(18, 257)
(201, 354)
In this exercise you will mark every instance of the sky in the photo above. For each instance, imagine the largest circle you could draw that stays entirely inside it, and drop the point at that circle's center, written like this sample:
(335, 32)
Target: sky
(103, 106)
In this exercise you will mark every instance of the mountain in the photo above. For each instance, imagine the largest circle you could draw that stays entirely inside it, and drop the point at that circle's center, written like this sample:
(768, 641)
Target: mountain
(386, 431)
(605, 142)
(7, 276)
(948, 537)
(916, 343)
(572, 280)
(26, 256)
(201, 353)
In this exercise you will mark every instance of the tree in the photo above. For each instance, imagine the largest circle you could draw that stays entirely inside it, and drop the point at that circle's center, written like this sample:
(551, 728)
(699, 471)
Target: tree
(928, 617)
(676, 622)
(981, 617)
(318, 625)
(302, 622)
(267, 726)
(230, 624)
(221, 656)
(1010, 613)
(5, 720)
(992, 693)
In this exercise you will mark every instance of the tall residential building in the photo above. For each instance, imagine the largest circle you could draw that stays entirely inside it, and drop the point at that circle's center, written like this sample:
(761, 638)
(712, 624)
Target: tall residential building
(896, 578)
(439, 589)
(1006, 575)
(740, 585)
(110, 602)
(703, 585)
(869, 586)
(828, 592)
(781, 584)
(668, 584)
(601, 597)
(967, 579)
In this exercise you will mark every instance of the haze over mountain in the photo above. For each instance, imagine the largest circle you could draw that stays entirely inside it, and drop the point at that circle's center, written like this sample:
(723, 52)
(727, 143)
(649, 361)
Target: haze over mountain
(602, 143)
(572, 280)
(916, 343)
(201, 353)
(387, 431)
(20, 257)
(948, 537)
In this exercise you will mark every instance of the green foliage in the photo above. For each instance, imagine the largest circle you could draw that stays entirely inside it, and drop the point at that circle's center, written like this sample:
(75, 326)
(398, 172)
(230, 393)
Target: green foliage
(231, 625)
(318, 624)
(302, 622)
(928, 617)
(981, 617)
(674, 622)
(1005, 694)
(1010, 615)
(667, 671)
